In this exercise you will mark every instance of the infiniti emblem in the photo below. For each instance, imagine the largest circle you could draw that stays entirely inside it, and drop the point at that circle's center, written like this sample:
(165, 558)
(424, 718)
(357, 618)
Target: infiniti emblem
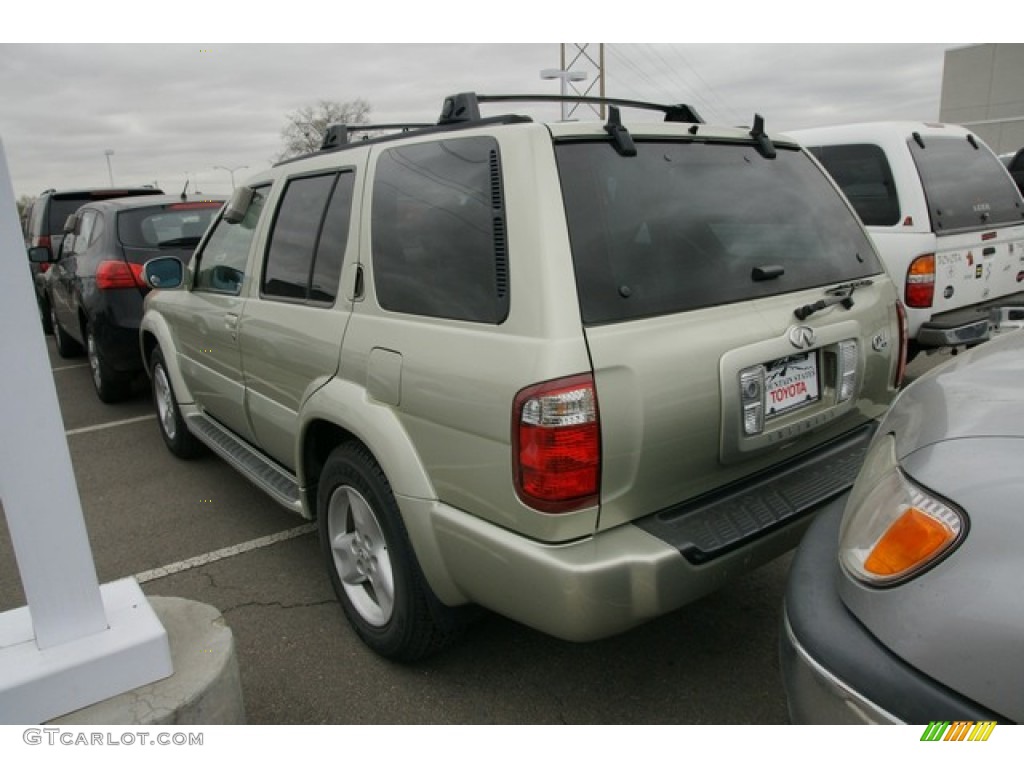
(801, 337)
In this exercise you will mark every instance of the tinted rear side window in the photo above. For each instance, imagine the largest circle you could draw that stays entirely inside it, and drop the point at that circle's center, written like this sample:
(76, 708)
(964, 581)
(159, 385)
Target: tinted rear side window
(965, 185)
(684, 225)
(863, 173)
(439, 231)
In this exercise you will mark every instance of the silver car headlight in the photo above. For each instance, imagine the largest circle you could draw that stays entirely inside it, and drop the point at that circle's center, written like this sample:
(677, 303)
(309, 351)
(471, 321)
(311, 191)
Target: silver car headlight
(893, 529)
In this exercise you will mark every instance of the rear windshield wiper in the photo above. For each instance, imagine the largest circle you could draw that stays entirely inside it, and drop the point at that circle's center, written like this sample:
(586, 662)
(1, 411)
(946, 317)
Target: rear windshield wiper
(841, 294)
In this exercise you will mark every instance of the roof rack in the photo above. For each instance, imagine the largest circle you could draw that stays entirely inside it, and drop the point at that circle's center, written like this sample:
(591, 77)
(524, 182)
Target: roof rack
(338, 134)
(465, 107)
(462, 110)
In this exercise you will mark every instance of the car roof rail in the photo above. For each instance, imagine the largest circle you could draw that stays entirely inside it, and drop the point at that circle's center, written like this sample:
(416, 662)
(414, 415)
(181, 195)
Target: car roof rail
(340, 134)
(462, 110)
(465, 107)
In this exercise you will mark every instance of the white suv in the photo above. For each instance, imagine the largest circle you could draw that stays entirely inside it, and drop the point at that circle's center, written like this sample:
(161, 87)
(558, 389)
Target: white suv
(946, 217)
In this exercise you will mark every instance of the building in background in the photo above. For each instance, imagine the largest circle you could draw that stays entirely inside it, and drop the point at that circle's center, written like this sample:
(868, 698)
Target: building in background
(983, 89)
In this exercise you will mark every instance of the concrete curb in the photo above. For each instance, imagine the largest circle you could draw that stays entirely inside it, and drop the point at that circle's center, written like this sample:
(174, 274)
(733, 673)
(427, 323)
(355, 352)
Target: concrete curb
(205, 688)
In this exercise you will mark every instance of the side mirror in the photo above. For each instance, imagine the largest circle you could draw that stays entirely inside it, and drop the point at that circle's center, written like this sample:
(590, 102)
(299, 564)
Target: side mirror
(163, 273)
(237, 205)
(40, 254)
(70, 223)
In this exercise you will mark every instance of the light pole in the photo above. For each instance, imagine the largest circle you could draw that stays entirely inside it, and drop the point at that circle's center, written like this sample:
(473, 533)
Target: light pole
(564, 76)
(231, 171)
(110, 172)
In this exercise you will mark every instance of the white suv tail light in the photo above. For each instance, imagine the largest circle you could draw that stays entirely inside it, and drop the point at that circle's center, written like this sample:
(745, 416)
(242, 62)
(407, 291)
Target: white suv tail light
(556, 445)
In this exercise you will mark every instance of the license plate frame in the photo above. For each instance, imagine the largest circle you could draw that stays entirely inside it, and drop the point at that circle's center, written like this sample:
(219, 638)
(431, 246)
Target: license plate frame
(791, 383)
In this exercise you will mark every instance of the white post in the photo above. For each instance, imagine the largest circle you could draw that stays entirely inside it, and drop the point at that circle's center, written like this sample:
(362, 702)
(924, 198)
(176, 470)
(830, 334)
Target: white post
(59, 653)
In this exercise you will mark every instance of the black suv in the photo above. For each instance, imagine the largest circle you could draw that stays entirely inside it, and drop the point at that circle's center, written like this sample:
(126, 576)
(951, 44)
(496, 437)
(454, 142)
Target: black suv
(44, 226)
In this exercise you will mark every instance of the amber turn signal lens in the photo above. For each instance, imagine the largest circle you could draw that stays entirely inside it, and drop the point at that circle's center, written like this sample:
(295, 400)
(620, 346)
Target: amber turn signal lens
(911, 540)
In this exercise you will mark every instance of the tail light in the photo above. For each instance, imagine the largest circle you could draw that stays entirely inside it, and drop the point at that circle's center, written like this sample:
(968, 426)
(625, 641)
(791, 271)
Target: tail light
(556, 436)
(920, 290)
(43, 241)
(111, 275)
(901, 364)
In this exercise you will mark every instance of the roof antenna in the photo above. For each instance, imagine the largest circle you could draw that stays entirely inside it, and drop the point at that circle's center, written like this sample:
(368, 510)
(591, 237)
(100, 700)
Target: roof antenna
(764, 144)
(184, 190)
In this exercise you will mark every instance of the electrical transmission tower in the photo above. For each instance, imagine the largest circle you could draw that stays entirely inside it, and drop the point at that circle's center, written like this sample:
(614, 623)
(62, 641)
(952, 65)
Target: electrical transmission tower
(582, 72)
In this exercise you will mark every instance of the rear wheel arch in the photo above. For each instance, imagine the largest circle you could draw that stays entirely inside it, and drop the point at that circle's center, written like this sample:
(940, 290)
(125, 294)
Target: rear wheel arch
(385, 441)
(372, 563)
(341, 411)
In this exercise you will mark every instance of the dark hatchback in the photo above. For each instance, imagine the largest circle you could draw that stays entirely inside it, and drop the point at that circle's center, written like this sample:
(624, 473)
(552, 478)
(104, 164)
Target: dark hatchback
(94, 290)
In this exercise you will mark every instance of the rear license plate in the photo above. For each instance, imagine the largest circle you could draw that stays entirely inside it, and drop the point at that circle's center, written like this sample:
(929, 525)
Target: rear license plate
(791, 383)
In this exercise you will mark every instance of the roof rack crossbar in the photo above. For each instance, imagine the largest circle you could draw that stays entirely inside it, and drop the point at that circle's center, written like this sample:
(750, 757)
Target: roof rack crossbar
(464, 107)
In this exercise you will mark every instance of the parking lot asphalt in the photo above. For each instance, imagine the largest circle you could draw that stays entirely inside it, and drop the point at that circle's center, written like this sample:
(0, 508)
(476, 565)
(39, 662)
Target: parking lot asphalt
(198, 530)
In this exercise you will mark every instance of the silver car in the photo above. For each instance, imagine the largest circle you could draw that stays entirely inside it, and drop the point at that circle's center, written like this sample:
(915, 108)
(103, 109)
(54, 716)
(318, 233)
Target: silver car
(904, 602)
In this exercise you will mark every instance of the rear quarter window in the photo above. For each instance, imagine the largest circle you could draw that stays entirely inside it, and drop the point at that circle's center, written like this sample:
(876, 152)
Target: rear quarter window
(438, 231)
(862, 171)
(684, 225)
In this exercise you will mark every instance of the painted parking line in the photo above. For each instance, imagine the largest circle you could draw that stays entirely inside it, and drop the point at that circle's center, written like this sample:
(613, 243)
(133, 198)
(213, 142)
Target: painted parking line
(109, 424)
(70, 367)
(223, 554)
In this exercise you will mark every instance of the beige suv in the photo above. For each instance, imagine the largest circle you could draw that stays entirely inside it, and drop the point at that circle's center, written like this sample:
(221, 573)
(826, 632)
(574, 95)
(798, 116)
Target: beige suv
(576, 373)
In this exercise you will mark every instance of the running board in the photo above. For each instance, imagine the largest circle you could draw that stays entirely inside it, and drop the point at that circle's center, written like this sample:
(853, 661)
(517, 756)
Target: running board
(281, 485)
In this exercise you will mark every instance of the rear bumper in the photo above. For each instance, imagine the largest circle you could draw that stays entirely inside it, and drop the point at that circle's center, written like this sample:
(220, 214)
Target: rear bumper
(834, 671)
(116, 316)
(971, 325)
(618, 578)
(579, 591)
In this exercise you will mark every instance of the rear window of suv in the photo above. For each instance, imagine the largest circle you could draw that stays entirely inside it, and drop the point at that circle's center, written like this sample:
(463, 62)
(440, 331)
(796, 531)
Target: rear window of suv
(965, 184)
(684, 225)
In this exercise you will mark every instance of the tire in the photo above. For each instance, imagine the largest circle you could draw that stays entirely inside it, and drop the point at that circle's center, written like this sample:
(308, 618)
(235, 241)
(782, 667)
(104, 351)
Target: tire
(67, 347)
(173, 430)
(44, 316)
(371, 564)
(110, 388)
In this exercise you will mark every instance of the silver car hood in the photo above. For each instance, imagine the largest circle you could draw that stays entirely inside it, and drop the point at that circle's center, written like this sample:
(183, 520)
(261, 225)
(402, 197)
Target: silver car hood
(977, 394)
(960, 433)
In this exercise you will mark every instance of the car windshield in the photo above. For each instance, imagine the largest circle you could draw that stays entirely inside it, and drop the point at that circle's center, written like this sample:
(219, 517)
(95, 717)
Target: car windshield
(685, 224)
(172, 225)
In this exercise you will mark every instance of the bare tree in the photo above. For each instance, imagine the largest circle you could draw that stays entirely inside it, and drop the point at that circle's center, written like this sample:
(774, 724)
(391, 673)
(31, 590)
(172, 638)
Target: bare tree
(307, 126)
(23, 203)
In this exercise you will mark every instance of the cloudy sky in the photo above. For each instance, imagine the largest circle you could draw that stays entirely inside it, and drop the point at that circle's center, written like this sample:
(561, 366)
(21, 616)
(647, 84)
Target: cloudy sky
(172, 112)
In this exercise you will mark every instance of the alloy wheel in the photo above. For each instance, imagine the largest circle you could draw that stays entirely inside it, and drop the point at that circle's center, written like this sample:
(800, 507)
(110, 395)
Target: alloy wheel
(361, 556)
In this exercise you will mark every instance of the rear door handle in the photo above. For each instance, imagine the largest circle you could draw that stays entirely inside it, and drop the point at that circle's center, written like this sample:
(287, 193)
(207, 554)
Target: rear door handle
(231, 323)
